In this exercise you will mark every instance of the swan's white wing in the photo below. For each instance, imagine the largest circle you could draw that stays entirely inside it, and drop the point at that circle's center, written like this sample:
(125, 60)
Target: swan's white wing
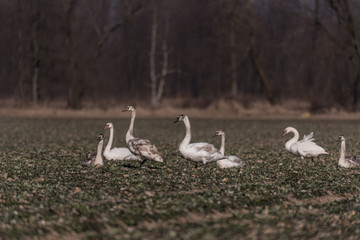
(226, 163)
(201, 152)
(307, 138)
(197, 145)
(209, 151)
(144, 148)
(354, 163)
(310, 149)
(230, 161)
(294, 148)
(120, 154)
(235, 159)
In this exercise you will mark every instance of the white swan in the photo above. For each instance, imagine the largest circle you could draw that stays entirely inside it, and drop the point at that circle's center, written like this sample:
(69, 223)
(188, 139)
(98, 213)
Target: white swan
(306, 148)
(347, 161)
(116, 153)
(95, 158)
(197, 152)
(142, 148)
(232, 161)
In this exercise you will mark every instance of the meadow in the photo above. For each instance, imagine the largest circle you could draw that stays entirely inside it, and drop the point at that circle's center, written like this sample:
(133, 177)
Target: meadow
(45, 193)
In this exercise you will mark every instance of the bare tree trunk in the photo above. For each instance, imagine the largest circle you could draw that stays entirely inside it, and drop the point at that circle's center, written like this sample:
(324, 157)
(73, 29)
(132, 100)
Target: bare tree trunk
(164, 70)
(260, 71)
(75, 86)
(103, 35)
(234, 80)
(153, 77)
(346, 21)
(20, 89)
(157, 81)
(36, 60)
(254, 55)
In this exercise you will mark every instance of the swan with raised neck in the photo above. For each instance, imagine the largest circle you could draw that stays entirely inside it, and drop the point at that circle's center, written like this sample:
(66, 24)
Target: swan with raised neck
(141, 148)
(346, 161)
(293, 140)
(130, 132)
(95, 158)
(99, 160)
(116, 153)
(232, 161)
(197, 152)
(306, 148)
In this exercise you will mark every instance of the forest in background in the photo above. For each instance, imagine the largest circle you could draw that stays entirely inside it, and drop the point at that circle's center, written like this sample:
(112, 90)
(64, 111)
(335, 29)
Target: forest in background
(195, 50)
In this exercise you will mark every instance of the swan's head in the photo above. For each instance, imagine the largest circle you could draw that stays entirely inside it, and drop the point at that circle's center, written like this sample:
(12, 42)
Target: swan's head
(129, 108)
(287, 130)
(341, 138)
(108, 126)
(219, 133)
(180, 118)
(100, 137)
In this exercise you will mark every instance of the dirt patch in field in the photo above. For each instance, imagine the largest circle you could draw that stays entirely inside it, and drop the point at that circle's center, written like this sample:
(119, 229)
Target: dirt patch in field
(188, 219)
(318, 200)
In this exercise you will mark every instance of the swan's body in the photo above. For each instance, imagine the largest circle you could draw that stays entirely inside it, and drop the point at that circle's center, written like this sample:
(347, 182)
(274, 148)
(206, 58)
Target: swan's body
(347, 161)
(116, 153)
(197, 152)
(142, 148)
(306, 148)
(95, 158)
(231, 161)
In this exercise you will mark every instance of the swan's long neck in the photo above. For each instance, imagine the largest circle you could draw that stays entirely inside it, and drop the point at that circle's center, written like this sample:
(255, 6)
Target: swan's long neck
(187, 137)
(293, 140)
(222, 148)
(342, 150)
(129, 133)
(98, 159)
(111, 138)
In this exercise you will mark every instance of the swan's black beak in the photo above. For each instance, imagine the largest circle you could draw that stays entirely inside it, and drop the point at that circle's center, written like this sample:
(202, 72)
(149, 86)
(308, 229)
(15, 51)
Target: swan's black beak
(125, 110)
(177, 120)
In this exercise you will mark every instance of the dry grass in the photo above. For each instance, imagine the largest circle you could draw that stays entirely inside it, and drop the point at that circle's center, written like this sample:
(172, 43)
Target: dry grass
(221, 109)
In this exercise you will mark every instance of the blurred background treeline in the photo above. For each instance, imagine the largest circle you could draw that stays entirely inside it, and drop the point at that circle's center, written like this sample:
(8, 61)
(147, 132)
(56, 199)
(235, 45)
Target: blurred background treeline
(197, 51)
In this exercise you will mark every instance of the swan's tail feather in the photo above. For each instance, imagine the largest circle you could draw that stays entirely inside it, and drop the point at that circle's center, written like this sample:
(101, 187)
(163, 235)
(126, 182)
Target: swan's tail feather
(309, 137)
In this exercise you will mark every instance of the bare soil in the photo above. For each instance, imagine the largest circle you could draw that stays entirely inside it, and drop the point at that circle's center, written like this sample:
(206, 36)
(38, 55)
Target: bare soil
(221, 109)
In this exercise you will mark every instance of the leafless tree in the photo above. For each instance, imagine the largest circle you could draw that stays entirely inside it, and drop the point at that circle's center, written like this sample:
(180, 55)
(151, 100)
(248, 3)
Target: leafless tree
(89, 50)
(349, 43)
(20, 85)
(255, 57)
(35, 51)
(158, 80)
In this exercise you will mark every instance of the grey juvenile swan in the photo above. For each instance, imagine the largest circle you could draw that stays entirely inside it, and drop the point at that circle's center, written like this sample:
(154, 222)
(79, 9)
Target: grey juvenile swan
(95, 158)
(142, 148)
(347, 161)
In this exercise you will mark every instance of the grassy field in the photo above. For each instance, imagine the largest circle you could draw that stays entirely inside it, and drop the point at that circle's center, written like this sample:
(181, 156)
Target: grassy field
(46, 193)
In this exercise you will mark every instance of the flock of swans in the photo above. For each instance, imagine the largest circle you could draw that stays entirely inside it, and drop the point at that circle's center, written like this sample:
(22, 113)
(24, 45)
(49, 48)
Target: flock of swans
(141, 150)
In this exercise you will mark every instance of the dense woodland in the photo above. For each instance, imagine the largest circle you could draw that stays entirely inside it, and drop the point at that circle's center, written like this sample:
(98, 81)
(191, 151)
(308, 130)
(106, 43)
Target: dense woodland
(150, 50)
